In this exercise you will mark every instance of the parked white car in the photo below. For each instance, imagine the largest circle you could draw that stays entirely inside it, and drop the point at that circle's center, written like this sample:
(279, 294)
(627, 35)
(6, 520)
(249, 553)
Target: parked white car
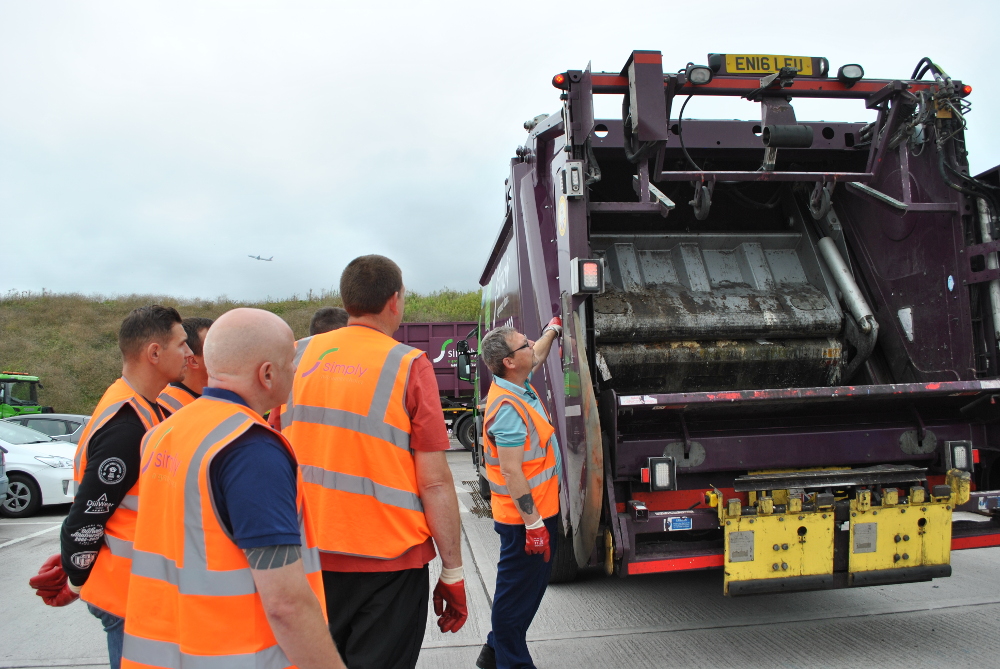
(61, 426)
(39, 469)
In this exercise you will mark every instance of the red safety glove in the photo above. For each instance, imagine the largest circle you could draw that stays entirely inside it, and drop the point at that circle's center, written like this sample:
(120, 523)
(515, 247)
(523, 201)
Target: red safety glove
(555, 325)
(61, 598)
(51, 576)
(536, 542)
(51, 585)
(452, 617)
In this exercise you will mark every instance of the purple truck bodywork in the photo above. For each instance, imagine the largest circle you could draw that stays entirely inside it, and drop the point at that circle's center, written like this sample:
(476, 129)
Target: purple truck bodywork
(917, 257)
(438, 340)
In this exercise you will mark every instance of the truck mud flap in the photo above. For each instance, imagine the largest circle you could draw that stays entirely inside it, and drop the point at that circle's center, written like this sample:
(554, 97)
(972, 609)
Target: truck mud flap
(903, 575)
(761, 586)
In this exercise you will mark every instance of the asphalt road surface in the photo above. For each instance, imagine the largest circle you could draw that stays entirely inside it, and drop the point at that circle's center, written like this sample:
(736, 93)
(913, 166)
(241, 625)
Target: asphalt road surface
(670, 620)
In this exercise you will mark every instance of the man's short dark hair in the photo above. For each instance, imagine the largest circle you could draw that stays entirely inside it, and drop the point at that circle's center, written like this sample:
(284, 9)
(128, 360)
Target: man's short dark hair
(145, 325)
(193, 327)
(327, 319)
(367, 284)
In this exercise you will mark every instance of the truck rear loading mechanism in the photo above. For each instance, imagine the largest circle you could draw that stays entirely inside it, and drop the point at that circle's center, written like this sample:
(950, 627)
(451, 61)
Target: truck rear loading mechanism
(780, 353)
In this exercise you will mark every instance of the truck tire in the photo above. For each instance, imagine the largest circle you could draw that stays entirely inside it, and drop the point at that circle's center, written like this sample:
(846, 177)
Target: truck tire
(484, 488)
(564, 566)
(466, 431)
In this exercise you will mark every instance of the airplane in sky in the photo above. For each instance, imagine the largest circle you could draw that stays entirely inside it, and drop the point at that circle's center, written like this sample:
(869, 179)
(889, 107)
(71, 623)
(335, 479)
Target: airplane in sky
(264, 259)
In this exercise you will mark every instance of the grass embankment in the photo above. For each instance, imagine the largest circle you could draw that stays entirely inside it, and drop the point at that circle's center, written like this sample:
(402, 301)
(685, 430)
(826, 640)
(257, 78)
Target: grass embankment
(71, 341)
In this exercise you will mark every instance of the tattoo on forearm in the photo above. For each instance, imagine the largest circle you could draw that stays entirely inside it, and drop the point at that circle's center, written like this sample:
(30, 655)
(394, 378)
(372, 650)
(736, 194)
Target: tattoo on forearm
(526, 503)
(273, 557)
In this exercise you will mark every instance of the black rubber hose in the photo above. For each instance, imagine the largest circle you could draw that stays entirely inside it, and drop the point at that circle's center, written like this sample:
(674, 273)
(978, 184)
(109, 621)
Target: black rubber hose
(680, 135)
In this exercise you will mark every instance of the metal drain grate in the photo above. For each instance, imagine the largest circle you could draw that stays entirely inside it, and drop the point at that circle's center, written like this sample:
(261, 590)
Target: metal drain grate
(480, 507)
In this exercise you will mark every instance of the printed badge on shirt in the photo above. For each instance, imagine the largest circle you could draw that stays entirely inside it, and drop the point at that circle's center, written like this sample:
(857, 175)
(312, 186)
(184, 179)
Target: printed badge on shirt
(111, 471)
(88, 535)
(99, 505)
(83, 559)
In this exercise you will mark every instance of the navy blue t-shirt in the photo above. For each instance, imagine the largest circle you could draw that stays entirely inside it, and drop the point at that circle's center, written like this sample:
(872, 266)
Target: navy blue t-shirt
(254, 486)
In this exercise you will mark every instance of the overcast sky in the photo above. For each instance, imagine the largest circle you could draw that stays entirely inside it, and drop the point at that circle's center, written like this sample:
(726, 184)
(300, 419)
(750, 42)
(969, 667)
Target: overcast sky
(149, 147)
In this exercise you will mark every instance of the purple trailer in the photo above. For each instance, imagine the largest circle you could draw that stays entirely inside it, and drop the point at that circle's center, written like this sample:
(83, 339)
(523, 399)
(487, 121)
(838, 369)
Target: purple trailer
(780, 353)
(439, 341)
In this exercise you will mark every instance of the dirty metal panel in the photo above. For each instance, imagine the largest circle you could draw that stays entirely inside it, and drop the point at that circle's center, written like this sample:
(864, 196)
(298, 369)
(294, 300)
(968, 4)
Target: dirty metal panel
(691, 366)
(900, 537)
(690, 287)
(783, 546)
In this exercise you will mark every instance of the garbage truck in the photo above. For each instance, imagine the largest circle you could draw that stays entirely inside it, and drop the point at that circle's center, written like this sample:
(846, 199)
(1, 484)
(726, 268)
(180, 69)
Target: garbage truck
(439, 341)
(780, 345)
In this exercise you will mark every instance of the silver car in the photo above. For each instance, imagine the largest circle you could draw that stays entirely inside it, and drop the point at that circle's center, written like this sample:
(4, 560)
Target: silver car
(61, 426)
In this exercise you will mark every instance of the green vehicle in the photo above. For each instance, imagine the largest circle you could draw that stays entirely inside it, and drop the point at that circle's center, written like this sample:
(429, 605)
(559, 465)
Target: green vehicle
(19, 394)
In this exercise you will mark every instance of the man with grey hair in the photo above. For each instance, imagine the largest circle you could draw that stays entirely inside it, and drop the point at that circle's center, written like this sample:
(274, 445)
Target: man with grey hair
(521, 456)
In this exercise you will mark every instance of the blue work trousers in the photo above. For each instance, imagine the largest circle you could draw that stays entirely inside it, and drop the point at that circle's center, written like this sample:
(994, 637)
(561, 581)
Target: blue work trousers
(521, 583)
(115, 629)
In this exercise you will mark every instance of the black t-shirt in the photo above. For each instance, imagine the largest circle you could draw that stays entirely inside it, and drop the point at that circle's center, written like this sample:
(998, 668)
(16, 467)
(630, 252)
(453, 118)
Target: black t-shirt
(113, 456)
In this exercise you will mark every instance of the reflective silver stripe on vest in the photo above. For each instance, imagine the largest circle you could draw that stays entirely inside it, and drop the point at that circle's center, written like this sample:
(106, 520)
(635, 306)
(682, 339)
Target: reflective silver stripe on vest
(350, 421)
(95, 425)
(533, 482)
(119, 547)
(373, 424)
(300, 350)
(172, 402)
(169, 655)
(191, 580)
(143, 413)
(131, 502)
(536, 449)
(360, 485)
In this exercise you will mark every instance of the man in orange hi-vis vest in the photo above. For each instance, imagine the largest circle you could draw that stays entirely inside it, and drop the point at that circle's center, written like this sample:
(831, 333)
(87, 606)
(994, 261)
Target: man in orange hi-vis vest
(521, 456)
(225, 571)
(364, 418)
(179, 394)
(96, 538)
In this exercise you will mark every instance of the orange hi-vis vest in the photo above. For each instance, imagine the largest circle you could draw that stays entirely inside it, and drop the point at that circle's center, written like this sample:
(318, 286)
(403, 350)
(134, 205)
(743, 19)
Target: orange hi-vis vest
(175, 398)
(107, 586)
(539, 465)
(192, 598)
(347, 421)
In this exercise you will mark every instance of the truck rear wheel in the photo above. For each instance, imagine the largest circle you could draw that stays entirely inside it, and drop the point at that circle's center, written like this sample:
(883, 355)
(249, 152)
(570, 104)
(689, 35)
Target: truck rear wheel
(466, 431)
(484, 488)
(564, 566)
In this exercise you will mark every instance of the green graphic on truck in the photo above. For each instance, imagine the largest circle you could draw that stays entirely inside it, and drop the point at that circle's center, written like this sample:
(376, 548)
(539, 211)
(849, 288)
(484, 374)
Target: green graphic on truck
(444, 350)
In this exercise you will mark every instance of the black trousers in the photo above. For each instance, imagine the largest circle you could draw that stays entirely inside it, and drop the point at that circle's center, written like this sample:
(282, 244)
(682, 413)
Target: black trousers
(377, 619)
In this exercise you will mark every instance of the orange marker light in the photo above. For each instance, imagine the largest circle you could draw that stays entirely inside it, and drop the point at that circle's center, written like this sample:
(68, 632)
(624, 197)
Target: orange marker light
(559, 80)
(966, 89)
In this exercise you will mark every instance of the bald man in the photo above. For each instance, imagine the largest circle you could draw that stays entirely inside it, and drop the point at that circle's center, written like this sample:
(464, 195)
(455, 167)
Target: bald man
(222, 539)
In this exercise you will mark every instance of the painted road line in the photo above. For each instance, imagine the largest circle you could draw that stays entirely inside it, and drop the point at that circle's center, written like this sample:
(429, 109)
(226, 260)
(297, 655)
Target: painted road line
(15, 524)
(30, 536)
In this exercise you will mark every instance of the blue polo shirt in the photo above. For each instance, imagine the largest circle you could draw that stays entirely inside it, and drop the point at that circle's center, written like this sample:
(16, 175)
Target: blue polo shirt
(254, 486)
(508, 429)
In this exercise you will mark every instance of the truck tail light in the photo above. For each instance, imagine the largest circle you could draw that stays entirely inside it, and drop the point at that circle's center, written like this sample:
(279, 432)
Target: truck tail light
(662, 474)
(975, 456)
(958, 455)
(644, 474)
(588, 276)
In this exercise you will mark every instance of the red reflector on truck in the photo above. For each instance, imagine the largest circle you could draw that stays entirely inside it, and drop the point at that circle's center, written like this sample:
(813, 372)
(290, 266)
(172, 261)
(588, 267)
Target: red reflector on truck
(644, 474)
(975, 455)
